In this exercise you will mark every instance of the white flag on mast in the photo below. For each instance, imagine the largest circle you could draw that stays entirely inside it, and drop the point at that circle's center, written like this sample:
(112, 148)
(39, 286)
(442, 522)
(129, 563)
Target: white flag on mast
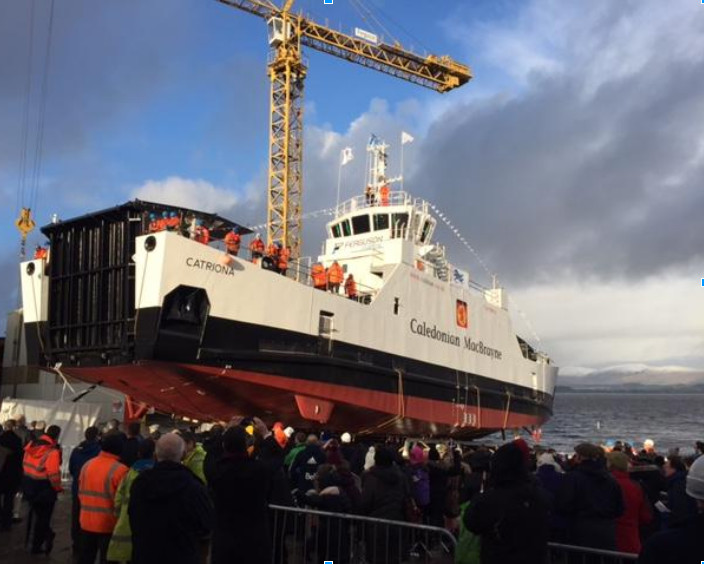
(406, 138)
(347, 155)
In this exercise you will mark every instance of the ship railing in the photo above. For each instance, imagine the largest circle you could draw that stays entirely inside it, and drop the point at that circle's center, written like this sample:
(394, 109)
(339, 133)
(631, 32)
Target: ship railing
(395, 198)
(300, 271)
(309, 535)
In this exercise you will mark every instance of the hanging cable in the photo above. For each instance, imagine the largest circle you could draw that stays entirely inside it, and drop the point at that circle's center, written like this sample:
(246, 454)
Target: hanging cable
(25, 114)
(39, 149)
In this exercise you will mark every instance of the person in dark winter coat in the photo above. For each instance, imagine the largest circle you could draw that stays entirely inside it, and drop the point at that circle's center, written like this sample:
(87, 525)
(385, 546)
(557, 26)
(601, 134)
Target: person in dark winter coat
(87, 450)
(636, 512)
(331, 537)
(591, 500)
(169, 509)
(512, 517)
(684, 543)
(437, 475)
(130, 449)
(550, 476)
(241, 488)
(682, 507)
(10, 473)
(213, 451)
(306, 465)
(385, 492)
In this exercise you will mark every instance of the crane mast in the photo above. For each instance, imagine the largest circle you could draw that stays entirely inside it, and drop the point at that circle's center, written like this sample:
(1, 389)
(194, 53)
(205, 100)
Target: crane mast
(287, 71)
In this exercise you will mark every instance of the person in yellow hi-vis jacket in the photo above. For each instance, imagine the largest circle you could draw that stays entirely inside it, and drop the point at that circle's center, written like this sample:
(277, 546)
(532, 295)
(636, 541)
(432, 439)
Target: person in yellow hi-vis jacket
(120, 547)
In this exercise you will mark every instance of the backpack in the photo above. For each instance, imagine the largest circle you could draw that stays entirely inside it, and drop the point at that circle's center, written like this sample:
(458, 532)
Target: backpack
(421, 487)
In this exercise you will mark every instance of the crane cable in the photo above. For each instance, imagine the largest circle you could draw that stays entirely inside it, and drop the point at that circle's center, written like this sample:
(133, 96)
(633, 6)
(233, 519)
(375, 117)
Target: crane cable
(21, 177)
(41, 119)
(28, 181)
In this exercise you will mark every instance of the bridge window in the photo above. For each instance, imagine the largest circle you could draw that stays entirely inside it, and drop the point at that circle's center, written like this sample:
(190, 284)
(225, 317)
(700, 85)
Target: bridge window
(426, 231)
(360, 223)
(336, 232)
(399, 222)
(381, 221)
(346, 230)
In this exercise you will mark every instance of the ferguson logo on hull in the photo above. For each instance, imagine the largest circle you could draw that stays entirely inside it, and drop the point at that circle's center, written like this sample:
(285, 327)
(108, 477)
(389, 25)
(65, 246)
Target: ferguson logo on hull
(209, 266)
(432, 332)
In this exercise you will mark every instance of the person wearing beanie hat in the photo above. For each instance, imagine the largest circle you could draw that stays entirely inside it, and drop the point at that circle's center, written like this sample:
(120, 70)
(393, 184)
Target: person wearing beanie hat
(512, 516)
(591, 500)
(636, 512)
(684, 543)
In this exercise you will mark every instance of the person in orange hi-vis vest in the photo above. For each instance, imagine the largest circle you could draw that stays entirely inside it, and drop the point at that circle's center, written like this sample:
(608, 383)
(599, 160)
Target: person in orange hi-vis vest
(40, 253)
(335, 277)
(385, 193)
(233, 242)
(202, 233)
(97, 483)
(284, 255)
(351, 287)
(42, 483)
(272, 251)
(256, 247)
(317, 273)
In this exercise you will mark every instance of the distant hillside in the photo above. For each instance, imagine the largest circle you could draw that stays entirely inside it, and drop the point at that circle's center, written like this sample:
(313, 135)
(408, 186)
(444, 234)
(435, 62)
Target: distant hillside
(632, 377)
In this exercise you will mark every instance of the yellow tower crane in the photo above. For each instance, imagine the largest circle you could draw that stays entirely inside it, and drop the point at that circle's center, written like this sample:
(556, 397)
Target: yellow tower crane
(287, 71)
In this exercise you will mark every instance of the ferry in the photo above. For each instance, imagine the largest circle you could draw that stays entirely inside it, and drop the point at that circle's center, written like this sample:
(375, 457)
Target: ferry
(188, 329)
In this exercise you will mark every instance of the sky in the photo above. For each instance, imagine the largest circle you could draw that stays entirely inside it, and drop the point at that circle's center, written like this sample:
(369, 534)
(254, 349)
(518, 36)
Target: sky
(572, 162)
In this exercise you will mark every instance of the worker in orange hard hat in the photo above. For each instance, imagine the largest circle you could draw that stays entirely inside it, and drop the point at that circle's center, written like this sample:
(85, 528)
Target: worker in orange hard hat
(233, 242)
(284, 255)
(335, 277)
(256, 247)
(351, 287)
(319, 276)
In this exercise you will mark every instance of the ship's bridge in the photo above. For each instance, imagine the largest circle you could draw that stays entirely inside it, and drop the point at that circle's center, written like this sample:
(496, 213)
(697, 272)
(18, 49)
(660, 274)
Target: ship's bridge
(374, 232)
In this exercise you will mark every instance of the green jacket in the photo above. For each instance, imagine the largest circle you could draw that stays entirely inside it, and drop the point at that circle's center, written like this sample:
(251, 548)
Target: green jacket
(120, 547)
(291, 456)
(194, 462)
(469, 545)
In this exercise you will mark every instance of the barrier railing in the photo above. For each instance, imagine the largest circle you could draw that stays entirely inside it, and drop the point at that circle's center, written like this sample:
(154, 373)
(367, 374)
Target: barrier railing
(568, 554)
(307, 535)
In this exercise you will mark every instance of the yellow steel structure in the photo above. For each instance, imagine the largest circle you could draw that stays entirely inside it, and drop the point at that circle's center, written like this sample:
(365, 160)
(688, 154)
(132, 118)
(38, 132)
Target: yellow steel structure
(287, 71)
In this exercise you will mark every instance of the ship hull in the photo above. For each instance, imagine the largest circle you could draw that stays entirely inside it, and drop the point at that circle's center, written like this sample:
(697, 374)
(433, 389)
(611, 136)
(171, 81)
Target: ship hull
(210, 393)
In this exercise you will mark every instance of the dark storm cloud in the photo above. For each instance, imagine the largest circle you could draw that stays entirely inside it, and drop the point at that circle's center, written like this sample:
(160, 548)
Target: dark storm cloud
(106, 58)
(563, 180)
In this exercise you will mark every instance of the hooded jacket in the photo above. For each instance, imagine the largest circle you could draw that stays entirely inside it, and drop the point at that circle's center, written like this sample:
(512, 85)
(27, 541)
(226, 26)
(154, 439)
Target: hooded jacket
(120, 548)
(80, 455)
(636, 513)
(170, 515)
(513, 516)
(591, 501)
(241, 489)
(384, 493)
(42, 465)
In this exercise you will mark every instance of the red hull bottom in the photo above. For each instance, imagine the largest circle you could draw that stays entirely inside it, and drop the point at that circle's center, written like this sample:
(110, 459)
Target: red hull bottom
(206, 393)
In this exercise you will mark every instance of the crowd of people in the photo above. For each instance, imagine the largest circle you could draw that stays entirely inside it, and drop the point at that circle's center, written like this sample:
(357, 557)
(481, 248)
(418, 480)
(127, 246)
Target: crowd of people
(209, 494)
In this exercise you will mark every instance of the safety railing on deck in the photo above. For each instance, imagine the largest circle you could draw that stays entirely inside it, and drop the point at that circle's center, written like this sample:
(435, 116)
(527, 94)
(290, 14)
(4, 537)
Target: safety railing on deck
(395, 198)
(305, 535)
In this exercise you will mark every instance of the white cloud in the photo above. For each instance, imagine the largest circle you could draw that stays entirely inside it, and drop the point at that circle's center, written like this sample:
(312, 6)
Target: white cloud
(194, 194)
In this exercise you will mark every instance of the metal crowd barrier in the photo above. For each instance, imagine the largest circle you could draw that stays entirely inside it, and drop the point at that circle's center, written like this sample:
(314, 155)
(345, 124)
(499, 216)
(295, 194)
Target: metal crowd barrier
(568, 554)
(303, 536)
